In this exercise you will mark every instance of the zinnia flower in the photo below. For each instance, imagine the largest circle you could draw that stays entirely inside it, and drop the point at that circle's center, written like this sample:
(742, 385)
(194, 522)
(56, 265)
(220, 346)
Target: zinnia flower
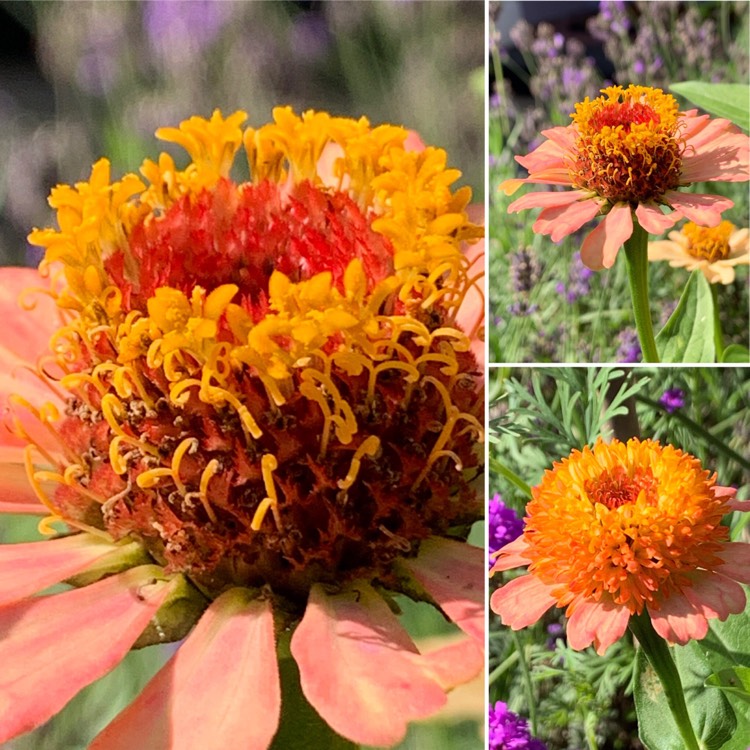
(508, 731)
(621, 528)
(628, 152)
(716, 251)
(258, 419)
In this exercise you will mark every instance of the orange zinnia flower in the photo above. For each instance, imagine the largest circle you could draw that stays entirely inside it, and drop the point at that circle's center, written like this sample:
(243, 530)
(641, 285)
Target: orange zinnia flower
(628, 152)
(258, 417)
(621, 528)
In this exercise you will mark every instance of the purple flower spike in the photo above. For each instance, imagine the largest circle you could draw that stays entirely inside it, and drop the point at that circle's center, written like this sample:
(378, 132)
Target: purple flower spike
(508, 731)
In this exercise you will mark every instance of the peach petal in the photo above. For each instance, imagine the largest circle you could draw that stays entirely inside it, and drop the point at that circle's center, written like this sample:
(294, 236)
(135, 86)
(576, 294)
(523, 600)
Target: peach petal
(511, 555)
(29, 335)
(704, 210)
(453, 574)
(698, 139)
(523, 601)
(725, 159)
(599, 249)
(470, 316)
(728, 494)
(16, 493)
(601, 623)
(30, 567)
(652, 219)
(736, 557)
(357, 669)
(53, 646)
(693, 123)
(548, 155)
(454, 664)
(716, 595)
(678, 620)
(564, 137)
(221, 689)
(560, 222)
(545, 177)
(546, 200)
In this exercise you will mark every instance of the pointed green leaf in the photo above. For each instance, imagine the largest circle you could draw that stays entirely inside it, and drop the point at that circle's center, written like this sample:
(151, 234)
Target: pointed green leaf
(688, 335)
(730, 100)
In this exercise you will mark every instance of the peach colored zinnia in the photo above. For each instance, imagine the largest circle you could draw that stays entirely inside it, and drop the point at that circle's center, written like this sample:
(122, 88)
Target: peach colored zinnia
(625, 155)
(715, 251)
(621, 528)
(257, 418)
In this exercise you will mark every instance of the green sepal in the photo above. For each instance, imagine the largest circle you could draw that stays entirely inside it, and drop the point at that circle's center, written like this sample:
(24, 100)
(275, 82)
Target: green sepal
(300, 724)
(123, 556)
(175, 618)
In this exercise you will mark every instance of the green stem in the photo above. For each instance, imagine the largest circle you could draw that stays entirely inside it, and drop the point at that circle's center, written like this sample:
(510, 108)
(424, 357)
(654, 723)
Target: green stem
(511, 476)
(300, 724)
(657, 652)
(636, 254)
(526, 673)
(718, 335)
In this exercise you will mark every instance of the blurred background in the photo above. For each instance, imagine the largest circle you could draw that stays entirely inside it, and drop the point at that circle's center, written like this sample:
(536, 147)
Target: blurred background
(81, 80)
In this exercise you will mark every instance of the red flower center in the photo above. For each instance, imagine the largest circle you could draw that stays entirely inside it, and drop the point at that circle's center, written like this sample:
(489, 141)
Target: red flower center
(623, 114)
(616, 487)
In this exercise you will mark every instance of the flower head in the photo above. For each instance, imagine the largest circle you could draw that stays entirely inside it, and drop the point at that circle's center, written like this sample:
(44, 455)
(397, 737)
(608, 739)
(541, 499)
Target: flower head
(626, 154)
(716, 251)
(621, 528)
(508, 731)
(265, 412)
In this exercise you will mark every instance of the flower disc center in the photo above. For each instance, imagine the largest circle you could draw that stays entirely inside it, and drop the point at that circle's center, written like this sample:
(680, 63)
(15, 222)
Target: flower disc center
(628, 149)
(616, 487)
(709, 243)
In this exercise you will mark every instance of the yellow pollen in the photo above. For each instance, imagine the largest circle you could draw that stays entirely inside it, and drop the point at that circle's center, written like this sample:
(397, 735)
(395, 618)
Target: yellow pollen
(709, 243)
(268, 464)
(212, 468)
(369, 446)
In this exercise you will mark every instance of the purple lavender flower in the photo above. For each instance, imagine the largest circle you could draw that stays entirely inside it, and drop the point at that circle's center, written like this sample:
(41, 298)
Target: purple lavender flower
(579, 284)
(525, 270)
(193, 25)
(629, 349)
(505, 525)
(672, 399)
(508, 731)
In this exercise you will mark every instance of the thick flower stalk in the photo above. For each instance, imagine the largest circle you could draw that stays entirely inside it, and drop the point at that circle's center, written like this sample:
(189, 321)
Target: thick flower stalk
(621, 530)
(265, 421)
(625, 156)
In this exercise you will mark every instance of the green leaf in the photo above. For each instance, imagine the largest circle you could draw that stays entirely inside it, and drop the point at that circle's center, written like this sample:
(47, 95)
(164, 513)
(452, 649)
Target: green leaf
(730, 100)
(725, 647)
(711, 715)
(735, 681)
(688, 335)
(736, 353)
